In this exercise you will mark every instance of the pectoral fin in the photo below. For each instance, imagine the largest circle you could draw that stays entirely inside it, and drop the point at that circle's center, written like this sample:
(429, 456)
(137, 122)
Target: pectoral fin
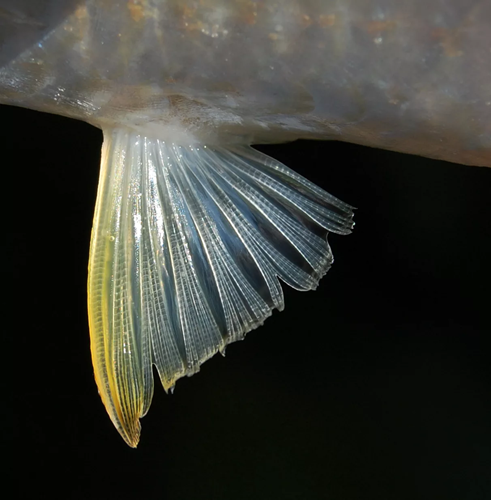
(187, 247)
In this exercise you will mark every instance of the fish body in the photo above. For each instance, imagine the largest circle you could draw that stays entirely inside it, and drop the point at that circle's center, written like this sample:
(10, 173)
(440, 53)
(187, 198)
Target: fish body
(408, 76)
(193, 228)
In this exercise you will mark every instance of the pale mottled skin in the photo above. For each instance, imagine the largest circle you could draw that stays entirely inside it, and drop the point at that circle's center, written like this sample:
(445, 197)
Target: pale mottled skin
(409, 76)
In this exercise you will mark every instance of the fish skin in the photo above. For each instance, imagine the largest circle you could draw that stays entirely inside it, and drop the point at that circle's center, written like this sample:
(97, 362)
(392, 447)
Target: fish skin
(23, 23)
(411, 77)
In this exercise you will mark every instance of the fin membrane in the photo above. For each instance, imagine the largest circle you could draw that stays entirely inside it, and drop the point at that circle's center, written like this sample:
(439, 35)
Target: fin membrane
(187, 247)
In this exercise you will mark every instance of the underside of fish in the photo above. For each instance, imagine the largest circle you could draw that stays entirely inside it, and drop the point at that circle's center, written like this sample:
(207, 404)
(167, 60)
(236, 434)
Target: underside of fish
(193, 228)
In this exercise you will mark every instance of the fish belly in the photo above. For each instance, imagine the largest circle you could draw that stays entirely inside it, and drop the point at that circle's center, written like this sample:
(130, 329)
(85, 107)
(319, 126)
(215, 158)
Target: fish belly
(409, 76)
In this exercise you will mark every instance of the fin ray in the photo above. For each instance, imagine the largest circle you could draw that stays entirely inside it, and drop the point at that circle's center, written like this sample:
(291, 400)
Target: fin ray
(188, 246)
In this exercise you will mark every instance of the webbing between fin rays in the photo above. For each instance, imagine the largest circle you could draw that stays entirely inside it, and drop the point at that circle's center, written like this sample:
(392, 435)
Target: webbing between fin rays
(187, 247)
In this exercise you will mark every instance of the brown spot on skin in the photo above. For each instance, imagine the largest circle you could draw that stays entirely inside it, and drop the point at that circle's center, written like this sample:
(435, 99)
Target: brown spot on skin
(179, 105)
(327, 20)
(81, 12)
(188, 11)
(396, 96)
(376, 27)
(449, 41)
(249, 15)
(136, 10)
(305, 21)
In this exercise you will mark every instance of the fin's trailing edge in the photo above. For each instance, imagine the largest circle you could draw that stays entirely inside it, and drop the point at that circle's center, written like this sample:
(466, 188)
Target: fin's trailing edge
(187, 247)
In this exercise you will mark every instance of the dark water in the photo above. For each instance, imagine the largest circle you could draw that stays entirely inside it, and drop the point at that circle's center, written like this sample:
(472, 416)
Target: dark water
(377, 385)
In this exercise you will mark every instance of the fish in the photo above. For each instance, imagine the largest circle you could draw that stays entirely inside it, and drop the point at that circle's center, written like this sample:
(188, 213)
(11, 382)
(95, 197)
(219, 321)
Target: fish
(193, 228)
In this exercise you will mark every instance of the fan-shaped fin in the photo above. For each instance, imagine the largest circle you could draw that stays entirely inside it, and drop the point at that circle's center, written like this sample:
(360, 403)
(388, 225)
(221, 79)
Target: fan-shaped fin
(187, 247)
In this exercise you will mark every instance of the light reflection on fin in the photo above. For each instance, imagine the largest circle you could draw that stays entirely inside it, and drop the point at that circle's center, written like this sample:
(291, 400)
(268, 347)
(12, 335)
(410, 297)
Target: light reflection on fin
(187, 247)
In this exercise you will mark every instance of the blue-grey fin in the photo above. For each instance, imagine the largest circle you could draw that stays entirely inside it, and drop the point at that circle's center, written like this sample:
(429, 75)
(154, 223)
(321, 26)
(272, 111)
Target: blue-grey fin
(187, 247)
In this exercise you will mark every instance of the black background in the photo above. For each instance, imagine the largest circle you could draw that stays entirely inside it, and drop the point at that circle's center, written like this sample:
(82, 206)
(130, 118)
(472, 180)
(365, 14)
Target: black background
(377, 385)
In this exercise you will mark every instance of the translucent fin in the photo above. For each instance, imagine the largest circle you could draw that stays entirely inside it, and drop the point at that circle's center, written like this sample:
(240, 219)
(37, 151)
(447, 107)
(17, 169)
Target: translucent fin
(187, 247)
